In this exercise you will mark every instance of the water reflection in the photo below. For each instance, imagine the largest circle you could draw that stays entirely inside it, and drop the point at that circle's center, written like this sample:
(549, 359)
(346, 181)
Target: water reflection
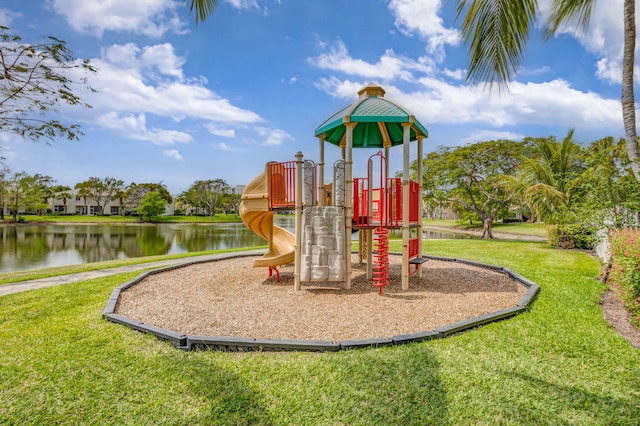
(41, 246)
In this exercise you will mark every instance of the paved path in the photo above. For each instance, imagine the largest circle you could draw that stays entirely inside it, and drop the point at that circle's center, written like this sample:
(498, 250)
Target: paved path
(498, 235)
(20, 286)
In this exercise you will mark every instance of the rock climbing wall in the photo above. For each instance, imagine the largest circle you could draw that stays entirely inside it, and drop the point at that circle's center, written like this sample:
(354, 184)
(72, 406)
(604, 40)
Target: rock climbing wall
(323, 244)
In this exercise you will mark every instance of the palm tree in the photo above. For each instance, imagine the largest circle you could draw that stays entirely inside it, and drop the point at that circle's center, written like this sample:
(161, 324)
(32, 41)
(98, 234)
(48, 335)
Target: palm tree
(61, 192)
(497, 32)
(83, 192)
(550, 180)
(203, 8)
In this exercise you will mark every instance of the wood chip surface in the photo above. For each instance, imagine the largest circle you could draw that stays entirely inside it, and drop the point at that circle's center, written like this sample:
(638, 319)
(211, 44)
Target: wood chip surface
(230, 298)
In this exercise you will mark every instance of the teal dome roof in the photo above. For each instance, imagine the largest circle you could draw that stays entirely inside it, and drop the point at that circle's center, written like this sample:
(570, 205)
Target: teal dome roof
(378, 121)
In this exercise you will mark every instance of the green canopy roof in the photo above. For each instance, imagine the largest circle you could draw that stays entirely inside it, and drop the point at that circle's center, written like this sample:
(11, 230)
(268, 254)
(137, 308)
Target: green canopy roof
(378, 121)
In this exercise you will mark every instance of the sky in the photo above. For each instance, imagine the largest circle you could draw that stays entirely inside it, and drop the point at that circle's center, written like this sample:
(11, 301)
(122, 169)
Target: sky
(177, 101)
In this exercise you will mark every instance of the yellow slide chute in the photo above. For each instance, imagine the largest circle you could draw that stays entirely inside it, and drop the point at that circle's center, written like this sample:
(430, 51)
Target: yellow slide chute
(255, 213)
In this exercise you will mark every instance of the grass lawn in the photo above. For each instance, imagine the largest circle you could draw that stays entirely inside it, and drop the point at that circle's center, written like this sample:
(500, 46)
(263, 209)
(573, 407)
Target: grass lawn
(108, 219)
(558, 363)
(537, 229)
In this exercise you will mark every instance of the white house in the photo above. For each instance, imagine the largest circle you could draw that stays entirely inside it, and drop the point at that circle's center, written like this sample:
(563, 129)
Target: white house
(77, 205)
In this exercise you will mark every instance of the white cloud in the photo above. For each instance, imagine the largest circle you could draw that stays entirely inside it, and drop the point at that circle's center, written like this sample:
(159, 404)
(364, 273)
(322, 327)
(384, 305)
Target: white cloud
(7, 16)
(524, 71)
(337, 88)
(6, 151)
(274, 137)
(389, 67)
(422, 17)
(604, 37)
(173, 153)
(151, 18)
(128, 82)
(243, 4)
(226, 147)
(135, 127)
(455, 74)
(159, 59)
(490, 135)
(214, 130)
(553, 103)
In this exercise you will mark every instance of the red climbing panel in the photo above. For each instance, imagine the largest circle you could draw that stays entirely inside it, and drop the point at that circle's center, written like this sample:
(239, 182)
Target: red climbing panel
(282, 184)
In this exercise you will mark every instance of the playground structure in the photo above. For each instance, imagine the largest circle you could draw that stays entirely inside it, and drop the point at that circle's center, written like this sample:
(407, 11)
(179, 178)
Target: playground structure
(212, 308)
(326, 215)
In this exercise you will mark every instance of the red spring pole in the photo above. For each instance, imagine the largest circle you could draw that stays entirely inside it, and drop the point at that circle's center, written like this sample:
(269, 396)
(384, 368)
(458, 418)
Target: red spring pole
(381, 266)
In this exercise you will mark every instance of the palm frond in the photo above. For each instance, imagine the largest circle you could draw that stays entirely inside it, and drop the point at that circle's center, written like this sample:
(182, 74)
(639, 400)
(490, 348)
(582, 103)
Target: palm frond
(497, 33)
(569, 11)
(203, 8)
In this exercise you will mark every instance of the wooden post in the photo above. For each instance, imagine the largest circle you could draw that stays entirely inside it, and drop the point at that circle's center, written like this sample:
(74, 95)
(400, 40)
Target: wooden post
(369, 232)
(348, 198)
(406, 134)
(321, 189)
(298, 223)
(420, 203)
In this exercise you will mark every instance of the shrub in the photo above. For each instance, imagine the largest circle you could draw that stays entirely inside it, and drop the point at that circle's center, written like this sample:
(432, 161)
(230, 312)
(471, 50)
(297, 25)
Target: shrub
(571, 236)
(553, 237)
(625, 269)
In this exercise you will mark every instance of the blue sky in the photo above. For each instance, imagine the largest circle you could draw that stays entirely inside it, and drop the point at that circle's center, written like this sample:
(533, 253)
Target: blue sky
(178, 102)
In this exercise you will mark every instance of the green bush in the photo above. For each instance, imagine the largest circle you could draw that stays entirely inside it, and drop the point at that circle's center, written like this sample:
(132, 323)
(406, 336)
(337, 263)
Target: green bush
(571, 236)
(552, 235)
(625, 269)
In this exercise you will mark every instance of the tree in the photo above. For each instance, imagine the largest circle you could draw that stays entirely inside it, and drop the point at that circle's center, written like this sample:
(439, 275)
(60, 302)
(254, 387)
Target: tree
(61, 192)
(611, 193)
(471, 177)
(231, 202)
(551, 179)
(84, 193)
(206, 194)
(203, 8)
(26, 193)
(153, 205)
(4, 174)
(135, 193)
(35, 80)
(497, 33)
(102, 191)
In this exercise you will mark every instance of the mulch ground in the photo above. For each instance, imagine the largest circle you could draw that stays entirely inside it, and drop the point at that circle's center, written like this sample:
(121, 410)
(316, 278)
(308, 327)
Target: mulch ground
(230, 298)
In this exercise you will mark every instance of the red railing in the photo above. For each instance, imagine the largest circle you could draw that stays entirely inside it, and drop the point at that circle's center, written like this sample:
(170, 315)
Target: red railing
(361, 201)
(414, 200)
(413, 247)
(391, 214)
(393, 204)
(282, 184)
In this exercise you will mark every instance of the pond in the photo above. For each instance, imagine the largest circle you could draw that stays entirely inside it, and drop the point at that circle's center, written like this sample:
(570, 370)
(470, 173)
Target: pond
(26, 247)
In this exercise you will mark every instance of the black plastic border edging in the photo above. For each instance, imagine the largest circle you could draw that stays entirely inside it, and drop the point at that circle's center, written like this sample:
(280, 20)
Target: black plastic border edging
(243, 344)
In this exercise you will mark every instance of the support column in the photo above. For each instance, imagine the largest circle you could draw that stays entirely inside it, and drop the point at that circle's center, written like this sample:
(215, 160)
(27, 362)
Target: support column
(348, 195)
(321, 190)
(298, 223)
(369, 232)
(420, 235)
(406, 135)
(386, 166)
